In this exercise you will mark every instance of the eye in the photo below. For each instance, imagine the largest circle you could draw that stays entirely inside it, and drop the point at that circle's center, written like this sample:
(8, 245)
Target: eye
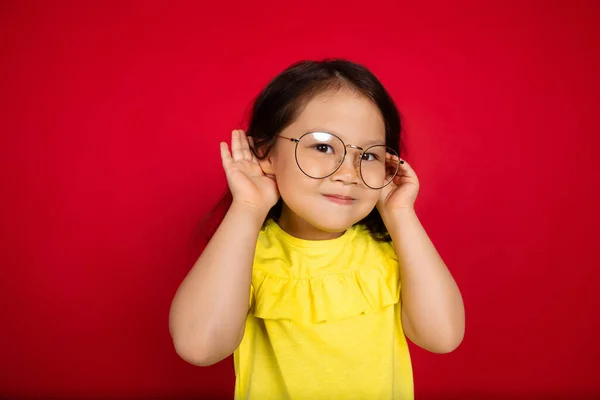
(323, 148)
(369, 157)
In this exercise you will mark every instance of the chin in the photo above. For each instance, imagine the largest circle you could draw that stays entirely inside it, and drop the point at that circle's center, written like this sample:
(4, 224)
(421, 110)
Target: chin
(333, 224)
(330, 219)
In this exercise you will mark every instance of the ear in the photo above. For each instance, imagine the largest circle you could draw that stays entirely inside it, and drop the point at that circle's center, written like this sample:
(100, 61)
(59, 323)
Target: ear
(266, 164)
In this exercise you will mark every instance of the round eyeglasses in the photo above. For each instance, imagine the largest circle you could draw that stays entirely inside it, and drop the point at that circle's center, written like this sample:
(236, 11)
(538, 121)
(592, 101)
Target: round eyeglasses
(321, 154)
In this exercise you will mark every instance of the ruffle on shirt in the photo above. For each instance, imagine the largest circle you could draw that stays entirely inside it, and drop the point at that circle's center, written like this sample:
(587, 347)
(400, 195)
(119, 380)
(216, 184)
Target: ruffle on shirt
(325, 298)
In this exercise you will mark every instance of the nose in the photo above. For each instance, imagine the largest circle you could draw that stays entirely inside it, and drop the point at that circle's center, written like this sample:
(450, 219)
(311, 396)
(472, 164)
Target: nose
(348, 173)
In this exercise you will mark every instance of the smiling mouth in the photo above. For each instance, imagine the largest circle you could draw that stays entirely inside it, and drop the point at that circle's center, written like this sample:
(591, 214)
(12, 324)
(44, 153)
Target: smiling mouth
(343, 200)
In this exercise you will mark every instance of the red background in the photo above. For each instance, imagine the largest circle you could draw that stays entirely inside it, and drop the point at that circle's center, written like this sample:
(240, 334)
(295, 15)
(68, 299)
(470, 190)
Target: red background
(111, 115)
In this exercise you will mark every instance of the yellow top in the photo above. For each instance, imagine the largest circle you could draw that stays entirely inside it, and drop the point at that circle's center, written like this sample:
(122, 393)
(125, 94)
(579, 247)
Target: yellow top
(324, 321)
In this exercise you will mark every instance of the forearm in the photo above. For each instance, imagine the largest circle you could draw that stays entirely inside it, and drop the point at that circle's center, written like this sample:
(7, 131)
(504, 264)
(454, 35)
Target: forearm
(210, 307)
(432, 306)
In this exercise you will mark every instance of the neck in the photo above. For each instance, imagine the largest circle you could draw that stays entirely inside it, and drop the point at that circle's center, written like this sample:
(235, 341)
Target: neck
(299, 228)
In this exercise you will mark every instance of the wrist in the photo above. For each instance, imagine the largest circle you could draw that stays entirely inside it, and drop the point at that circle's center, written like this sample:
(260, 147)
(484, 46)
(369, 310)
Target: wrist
(245, 210)
(393, 218)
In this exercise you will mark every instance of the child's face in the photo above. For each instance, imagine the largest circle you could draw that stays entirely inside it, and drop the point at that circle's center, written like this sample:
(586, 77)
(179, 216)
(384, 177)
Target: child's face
(355, 120)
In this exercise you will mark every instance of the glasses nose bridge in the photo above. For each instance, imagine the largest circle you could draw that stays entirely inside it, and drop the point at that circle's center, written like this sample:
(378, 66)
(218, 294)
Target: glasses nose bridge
(352, 146)
(355, 161)
(360, 152)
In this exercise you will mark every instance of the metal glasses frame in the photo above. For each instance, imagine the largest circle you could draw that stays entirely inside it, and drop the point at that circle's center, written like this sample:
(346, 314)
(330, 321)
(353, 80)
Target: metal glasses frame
(346, 146)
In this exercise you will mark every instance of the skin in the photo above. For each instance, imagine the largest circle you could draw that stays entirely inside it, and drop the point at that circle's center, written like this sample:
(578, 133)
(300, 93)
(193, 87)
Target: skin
(356, 121)
(210, 307)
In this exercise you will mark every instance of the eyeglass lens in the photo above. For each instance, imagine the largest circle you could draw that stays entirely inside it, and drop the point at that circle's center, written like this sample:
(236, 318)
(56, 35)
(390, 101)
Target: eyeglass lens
(320, 154)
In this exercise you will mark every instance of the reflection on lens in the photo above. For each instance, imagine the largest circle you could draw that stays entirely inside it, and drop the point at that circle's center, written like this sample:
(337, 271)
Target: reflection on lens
(321, 136)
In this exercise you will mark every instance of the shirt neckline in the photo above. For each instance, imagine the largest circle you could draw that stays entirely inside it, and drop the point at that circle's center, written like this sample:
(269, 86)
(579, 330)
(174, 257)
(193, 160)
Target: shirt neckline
(278, 231)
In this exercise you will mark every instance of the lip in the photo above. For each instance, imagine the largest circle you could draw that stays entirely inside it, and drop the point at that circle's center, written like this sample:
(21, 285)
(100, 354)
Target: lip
(339, 199)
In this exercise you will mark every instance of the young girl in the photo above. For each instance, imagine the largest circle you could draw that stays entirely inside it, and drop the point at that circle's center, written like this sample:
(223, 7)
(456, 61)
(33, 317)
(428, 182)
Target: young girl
(320, 268)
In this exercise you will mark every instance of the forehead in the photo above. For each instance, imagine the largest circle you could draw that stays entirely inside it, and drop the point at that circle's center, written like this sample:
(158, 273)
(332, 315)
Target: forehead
(347, 114)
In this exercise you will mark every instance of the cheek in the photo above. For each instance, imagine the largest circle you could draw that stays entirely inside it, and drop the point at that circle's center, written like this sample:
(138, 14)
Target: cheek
(371, 196)
(289, 177)
(297, 190)
(368, 202)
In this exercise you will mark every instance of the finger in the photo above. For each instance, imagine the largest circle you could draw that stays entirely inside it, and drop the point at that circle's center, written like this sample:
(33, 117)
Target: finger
(392, 158)
(236, 146)
(406, 170)
(225, 156)
(252, 150)
(398, 179)
(404, 166)
(244, 143)
(392, 164)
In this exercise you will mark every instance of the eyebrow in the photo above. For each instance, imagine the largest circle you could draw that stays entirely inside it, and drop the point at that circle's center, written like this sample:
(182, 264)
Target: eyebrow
(373, 142)
(366, 144)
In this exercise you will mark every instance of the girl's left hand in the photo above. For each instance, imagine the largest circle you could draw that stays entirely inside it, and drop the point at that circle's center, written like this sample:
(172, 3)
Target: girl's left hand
(402, 192)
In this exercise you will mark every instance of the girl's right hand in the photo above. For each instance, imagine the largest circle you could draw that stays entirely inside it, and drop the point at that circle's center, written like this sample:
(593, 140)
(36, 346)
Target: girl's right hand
(248, 183)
